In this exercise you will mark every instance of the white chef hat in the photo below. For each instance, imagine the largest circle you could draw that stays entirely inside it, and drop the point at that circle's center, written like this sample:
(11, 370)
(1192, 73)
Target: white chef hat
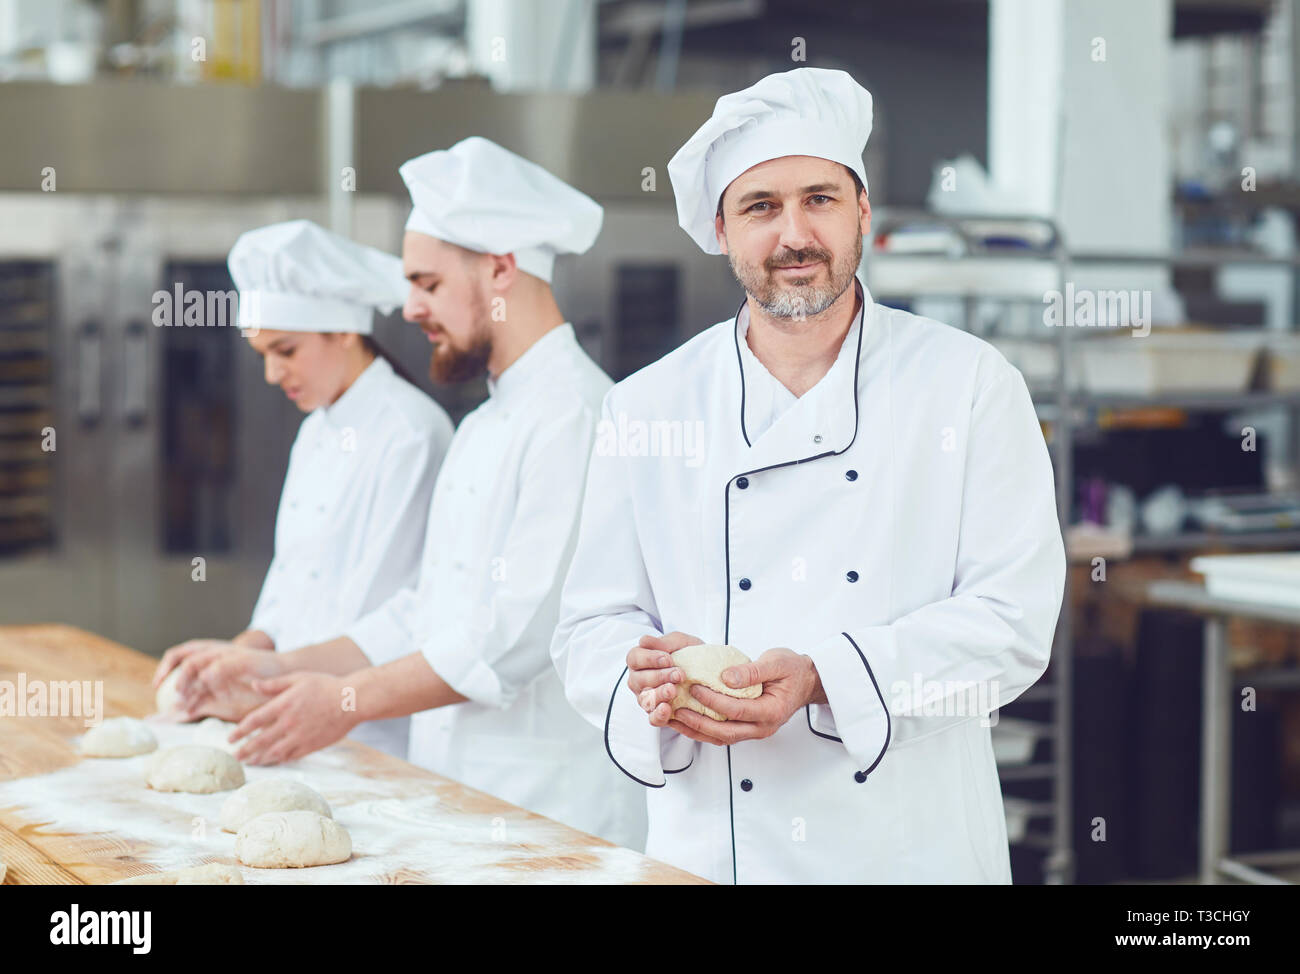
(804, 112)
(485, 198)
(298, 276)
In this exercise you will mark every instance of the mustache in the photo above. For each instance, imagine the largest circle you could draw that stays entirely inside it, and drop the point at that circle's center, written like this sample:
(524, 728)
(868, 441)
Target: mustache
(793, 258)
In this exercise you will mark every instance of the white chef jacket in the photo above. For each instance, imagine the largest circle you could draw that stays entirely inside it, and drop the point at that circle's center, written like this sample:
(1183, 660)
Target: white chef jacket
(897, 524)
(352, 516)
(500, 534)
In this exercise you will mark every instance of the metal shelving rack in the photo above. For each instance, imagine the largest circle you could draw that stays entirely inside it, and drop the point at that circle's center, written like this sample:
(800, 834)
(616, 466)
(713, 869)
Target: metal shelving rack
(932, 275)
(1208, 401)
(1069, 409)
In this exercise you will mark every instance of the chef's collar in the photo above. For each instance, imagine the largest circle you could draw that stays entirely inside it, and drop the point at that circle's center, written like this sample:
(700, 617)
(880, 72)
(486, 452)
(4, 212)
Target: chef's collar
(766, 397)
(829, 408)
(534, 362)
(354, 406)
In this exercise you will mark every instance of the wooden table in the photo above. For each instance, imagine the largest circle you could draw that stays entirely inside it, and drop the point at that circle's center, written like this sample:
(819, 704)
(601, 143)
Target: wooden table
(408, 825)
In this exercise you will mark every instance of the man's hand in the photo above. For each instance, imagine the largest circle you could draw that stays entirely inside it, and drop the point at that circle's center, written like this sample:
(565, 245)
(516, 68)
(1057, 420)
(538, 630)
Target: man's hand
(652, 676)
(790, 682)
(179, 653)
(304, 715)
(218, 682)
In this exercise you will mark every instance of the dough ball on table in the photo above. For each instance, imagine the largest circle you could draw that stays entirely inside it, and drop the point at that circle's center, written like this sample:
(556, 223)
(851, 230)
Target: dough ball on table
(200, 770)
(211, 874)
(704, 664)
(118, 737)
(279, 840)
(270, 795)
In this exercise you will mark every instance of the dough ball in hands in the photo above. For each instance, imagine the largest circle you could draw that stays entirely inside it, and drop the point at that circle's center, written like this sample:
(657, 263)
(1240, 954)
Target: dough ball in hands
(704, 664)
(270, 795)
(280, 840)
(167, 700)
(118, 737)
(211, 874)
(236, 700)
(195, 769)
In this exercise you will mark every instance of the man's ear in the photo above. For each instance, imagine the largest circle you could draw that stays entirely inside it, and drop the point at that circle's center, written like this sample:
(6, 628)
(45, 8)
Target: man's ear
(503, 272)
(720, 229)
(864, 208)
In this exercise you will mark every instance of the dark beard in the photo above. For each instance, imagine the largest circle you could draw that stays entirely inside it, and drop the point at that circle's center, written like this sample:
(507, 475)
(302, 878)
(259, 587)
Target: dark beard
(448, 365)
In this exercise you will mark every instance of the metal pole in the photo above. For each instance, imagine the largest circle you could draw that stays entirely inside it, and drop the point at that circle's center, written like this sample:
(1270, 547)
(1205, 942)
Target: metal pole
(339, 134)
(1059, 868)
(1216, 739)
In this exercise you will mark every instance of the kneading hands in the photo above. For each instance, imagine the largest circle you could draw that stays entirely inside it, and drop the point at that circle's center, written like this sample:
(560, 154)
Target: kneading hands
(294, 712)
(288, 705)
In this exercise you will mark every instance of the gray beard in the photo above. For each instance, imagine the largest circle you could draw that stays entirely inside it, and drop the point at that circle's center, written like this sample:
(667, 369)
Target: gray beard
(798, 302)
(801, 300)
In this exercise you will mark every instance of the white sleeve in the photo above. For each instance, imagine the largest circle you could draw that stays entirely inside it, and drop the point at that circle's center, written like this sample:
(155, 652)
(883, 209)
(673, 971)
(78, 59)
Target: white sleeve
(993, 635)
(492, 651)
(607, 606)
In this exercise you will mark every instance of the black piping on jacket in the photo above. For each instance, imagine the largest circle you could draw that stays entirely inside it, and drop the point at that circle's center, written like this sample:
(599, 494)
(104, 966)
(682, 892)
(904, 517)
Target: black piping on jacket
(608, 750)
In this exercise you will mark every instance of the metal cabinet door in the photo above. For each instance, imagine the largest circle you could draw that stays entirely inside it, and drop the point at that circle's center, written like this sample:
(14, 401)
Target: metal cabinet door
(53, 438)
(200, 447)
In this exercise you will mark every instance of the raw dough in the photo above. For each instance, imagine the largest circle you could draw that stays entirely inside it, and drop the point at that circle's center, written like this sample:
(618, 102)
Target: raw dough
(118, 737)
(167, 699)
(200, 770)
(269, 795)
(292, 839)
(211, 874)
(704, 664)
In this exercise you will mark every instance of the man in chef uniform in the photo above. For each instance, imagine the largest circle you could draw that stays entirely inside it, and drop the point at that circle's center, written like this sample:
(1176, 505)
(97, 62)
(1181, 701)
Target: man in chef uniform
(871, 521)
(471, 643)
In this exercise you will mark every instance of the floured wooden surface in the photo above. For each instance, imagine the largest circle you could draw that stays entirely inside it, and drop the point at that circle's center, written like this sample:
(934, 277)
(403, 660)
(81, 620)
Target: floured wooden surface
(64, 818)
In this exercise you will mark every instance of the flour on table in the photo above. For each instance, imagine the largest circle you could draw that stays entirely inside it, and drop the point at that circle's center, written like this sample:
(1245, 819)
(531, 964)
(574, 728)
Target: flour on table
(402, 829)
(212, 874)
